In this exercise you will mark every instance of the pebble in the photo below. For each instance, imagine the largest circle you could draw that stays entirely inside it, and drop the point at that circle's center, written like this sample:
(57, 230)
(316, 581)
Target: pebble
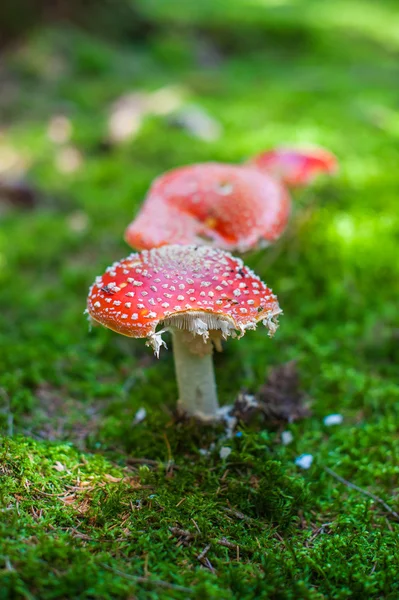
(304, 461)
(224, 452)
(335, 419)
(139, 416)
(286, 438)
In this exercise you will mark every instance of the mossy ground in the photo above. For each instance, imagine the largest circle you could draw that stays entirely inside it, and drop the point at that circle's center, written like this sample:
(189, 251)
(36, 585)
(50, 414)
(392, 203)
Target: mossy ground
(80, 517)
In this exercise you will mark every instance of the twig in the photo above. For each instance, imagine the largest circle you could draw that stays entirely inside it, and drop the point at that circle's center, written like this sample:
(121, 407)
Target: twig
(227, 544)
(196, 526)
(362, 491)
(184, 536)
(154, 582)
(202, 554)
(177, 531)
(237, 514)
(204, 560)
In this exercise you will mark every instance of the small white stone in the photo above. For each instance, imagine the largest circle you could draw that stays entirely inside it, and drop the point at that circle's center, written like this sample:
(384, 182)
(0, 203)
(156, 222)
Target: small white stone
(286, 438)
(304, 461)
(139, 416)
(334, 419)
(225, 451)
(203, 451)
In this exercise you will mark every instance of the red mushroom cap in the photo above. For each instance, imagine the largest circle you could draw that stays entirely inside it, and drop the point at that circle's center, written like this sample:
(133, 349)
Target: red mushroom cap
(182, 286)
(231, 207)
(295, 168)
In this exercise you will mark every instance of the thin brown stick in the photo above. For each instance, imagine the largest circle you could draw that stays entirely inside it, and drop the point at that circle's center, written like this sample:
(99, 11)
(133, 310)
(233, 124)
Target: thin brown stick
(202, 554)
(353, 486)
(236, 513)
(204, 560)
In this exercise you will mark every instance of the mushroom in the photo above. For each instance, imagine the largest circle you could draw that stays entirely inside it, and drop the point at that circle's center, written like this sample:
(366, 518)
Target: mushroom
(236, 208)
(200, 294)
(295, 168)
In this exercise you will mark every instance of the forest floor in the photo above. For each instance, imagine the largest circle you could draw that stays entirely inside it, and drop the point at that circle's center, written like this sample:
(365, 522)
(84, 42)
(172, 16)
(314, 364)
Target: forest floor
(96, 503)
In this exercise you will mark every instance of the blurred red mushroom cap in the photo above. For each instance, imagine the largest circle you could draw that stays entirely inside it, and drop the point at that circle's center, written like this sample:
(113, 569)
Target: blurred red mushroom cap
(295, 168)
(231, 207)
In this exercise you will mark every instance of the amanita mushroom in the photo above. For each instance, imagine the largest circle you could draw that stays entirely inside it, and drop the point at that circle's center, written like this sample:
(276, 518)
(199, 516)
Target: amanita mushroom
(295, 168)
(232, 207)
(200, 294)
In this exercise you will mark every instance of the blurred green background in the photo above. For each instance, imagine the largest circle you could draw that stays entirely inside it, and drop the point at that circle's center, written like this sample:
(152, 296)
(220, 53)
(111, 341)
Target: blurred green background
(96, 101)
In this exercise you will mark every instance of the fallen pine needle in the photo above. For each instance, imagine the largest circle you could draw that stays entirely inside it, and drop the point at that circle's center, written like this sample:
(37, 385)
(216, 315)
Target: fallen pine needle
(353, 486)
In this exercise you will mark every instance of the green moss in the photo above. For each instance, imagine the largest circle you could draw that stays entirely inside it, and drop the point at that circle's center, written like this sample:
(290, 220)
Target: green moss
(90, 501)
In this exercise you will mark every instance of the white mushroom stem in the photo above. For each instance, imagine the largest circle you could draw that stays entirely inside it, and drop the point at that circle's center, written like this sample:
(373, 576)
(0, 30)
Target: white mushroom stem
(195, 374)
